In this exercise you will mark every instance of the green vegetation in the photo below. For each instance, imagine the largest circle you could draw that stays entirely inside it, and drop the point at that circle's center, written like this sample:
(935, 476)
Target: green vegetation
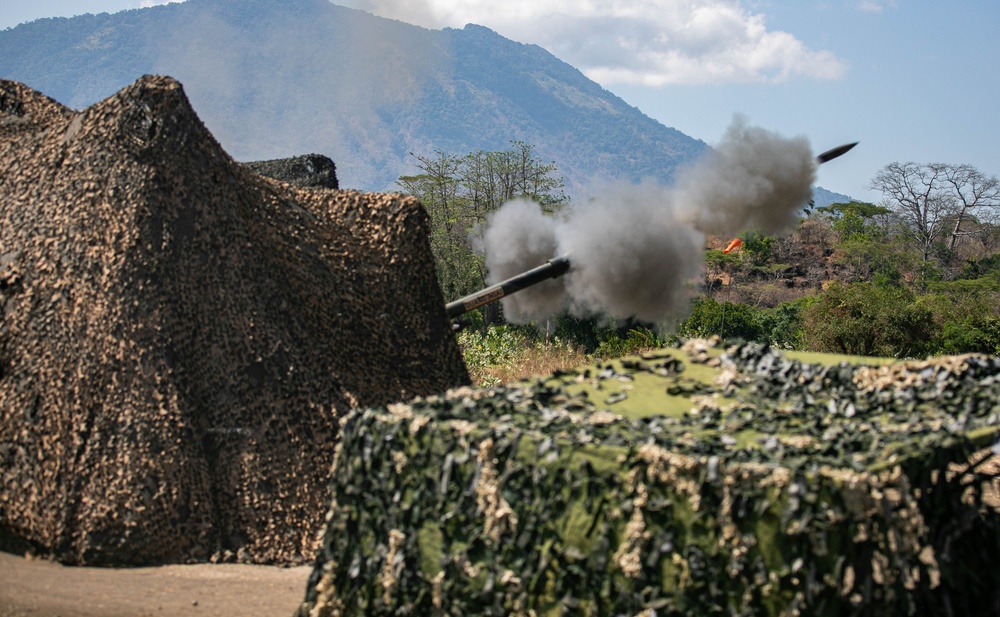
(866, 319)
(504, 353)
(688, 481)
(850, 280)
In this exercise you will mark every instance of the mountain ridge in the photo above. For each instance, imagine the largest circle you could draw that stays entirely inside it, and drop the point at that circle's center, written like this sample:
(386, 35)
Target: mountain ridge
(824, 197)
(277, 79)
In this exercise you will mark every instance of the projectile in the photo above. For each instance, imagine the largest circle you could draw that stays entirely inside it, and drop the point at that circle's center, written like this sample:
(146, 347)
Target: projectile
(833, 153)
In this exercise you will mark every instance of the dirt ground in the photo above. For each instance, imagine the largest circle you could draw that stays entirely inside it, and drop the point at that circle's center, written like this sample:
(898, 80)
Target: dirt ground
(38, 588)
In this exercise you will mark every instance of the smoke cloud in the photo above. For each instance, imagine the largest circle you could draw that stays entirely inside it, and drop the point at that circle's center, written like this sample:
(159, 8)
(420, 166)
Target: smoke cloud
(754, 179)
(517, 238)
(637, 250)
(631, 255)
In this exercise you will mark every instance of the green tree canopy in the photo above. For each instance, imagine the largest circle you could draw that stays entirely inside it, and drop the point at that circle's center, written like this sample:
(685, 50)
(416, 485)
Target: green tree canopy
(857, 218)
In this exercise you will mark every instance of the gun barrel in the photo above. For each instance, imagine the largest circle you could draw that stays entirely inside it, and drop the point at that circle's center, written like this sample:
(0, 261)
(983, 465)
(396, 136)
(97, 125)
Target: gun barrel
(553, 268)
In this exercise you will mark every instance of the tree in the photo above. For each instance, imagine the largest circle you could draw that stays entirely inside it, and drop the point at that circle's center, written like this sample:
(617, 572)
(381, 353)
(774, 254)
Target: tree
(857, 218)
(727, 319)
(966, 315)
(974, 192)
(867, 246)
(460, 192)
(441, 193)
(756, 249)
(935, 199)
(491, 179)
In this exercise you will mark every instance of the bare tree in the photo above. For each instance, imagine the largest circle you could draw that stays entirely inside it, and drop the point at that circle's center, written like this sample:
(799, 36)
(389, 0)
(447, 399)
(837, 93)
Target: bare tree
(975, 193)
(934, 197)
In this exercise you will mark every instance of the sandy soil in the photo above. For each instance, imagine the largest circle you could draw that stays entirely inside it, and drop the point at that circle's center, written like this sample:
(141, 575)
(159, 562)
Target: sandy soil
(37, 588)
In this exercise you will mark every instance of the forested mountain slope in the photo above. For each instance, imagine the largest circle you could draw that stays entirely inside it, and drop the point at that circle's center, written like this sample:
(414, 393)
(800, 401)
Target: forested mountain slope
(275, 79)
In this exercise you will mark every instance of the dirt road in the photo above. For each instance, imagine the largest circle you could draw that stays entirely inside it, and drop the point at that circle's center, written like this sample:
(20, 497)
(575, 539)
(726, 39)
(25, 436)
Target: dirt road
(36, 588)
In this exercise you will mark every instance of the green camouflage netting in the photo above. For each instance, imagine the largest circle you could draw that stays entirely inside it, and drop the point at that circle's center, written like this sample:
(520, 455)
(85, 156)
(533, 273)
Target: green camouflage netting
(766, 486)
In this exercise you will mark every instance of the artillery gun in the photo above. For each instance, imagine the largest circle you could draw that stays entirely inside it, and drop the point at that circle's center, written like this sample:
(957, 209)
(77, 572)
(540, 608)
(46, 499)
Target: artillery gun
(557, 266)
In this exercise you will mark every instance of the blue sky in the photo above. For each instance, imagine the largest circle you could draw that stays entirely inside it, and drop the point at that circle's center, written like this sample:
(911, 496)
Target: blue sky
(912, 80)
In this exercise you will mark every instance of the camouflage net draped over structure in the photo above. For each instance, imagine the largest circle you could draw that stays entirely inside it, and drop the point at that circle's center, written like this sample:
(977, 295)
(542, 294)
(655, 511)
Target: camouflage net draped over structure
(179, 336)
(308, 170)
(782, 488)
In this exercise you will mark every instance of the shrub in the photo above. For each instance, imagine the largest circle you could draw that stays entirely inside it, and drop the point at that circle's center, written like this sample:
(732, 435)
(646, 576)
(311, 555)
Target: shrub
(497, 346)
(973, 336)
(967, 315)
(868, 320)
(636, 340)
(727, 320)
(782, 325)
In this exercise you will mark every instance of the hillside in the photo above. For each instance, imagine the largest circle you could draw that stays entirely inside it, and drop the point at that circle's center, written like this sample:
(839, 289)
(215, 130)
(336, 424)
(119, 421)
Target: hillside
(275, 79)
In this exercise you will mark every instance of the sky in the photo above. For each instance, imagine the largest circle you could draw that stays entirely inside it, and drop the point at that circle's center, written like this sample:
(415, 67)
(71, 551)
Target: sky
(910, 79)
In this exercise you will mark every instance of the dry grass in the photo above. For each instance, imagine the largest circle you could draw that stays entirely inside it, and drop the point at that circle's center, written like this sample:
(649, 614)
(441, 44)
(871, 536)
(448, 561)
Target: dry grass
(502, 355)
(532, 360)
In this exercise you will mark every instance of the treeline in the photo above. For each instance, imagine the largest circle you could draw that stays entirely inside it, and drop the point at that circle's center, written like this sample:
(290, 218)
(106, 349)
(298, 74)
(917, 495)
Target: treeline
(917, 274)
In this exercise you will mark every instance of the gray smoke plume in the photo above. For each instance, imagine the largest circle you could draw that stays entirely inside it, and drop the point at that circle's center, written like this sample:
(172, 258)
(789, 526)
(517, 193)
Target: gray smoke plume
(754, 179)
(636, 250)
(518, 237)
(631, 255)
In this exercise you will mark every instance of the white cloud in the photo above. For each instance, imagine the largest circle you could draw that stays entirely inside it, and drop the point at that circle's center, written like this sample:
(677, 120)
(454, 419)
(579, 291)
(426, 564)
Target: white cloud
(651, 42)
(875, 6)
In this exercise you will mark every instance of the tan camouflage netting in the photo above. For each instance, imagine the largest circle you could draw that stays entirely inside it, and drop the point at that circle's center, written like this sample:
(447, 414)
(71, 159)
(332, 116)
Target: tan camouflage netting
(179, 335)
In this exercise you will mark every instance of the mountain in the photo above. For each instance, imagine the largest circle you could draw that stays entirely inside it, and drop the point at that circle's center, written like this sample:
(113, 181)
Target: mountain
(274, 79)
(823, 198)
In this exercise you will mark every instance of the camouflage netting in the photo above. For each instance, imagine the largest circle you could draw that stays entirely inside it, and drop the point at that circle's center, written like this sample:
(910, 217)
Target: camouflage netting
(180, 336)
(766, 487)
(309, 170)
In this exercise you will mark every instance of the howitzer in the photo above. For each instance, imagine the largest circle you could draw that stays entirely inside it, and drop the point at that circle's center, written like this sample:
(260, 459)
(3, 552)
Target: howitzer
(557, 266)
